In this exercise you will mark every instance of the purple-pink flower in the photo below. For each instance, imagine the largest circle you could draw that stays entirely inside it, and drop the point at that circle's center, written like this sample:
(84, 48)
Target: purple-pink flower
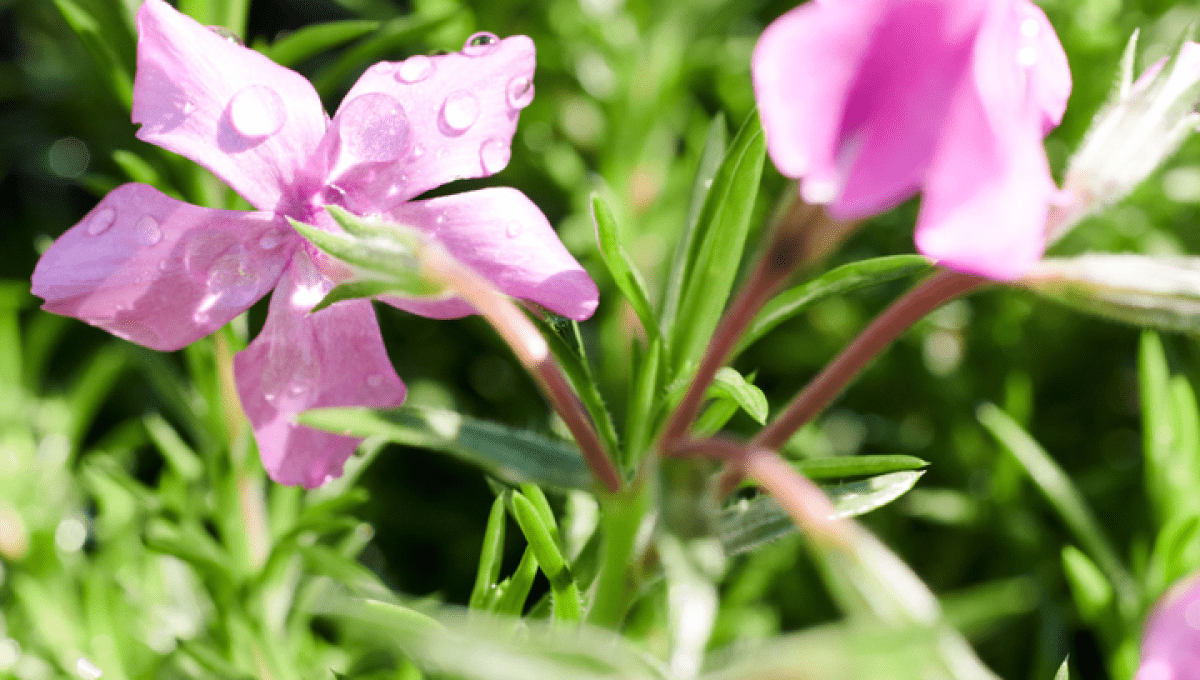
(869, 101)
(1171, 640)
(163, 273)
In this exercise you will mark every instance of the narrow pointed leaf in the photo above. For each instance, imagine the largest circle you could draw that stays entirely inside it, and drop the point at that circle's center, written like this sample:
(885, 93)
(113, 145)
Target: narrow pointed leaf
(626, 276)
(545, 549)
(515, 456)
(491, 556)
(729, 383)
(749, 524)
(312, 40)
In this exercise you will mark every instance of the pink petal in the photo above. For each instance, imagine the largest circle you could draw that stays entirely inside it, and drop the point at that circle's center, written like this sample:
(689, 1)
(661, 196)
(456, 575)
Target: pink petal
(1171, 642)
(160, 272)
(250, 121)
(459, 113)
(1050, 75)
(853, 95)
(301, 361)
(503, 236)
(988, 190)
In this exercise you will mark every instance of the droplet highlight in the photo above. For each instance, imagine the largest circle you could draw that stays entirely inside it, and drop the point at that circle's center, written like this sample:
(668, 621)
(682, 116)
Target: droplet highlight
(520, 92)
(232, 283)
(513, 230)
(460, 111)
(101, 221)
(414, 69)
(373, 129)
(1030, 28)
(418, 151)
(270, 240)
(494, 155)
(1027, 56)
(147, 231)
(257, 111)
(480, 44)
(227, 34)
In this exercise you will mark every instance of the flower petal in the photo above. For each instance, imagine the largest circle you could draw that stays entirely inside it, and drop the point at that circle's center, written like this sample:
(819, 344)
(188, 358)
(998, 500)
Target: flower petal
(301, 361)
(987, 194)
(406, 128)
(250, 121)
(1050, 75)
(1171, 641)
(503, 236)
(853, 95)
(161, 272)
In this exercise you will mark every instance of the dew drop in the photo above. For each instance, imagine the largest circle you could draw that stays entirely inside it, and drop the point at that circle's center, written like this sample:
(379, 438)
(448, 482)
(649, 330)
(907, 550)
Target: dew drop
(418, 151)
(414, 69)
(101, 221)
(1028, 56)
(270, 240)
(513, 229)
(163, 265)
(257, 111)
(373, 128)
(147, 232)
(441, 218)
(188, 108)
(1030, 28)
(233, 279)
(520, 92)
(481, 44)
(460, 111)
(494, 155)
(227, 34)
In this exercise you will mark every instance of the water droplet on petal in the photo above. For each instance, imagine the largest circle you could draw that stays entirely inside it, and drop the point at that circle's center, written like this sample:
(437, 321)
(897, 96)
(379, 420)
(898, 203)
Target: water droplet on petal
(147, 232)
(418, 151)
(441, 218)
(188, 108)
(1030, 28)
(227, 34)
(513, 229)
(101, 221)
(494, 155)
(1028, 56)
(520, 92)
(233, 279)
(481, 44)
(270, 240)
(460, 111)
(257, 111)
(414, 69)
(373, 128)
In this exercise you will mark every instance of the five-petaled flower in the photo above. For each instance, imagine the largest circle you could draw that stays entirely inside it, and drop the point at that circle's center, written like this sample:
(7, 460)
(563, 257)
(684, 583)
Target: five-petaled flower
(868, 101)
(163, 273)
(1171, 641)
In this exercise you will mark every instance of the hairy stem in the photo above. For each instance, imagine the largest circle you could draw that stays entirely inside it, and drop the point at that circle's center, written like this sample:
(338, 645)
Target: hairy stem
(530, 349)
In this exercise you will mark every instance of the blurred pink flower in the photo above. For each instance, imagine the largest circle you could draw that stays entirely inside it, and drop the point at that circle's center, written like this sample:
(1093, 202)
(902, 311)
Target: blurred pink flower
(869, 101)
(163, 273)
(1171, 640)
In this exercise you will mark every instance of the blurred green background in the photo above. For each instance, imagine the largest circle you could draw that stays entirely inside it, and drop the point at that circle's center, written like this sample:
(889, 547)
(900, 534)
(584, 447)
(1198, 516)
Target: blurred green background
(625, 92)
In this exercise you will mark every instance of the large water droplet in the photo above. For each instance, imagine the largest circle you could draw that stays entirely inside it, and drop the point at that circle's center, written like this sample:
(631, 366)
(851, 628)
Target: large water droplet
(227, 34)
(520, 92)
(494, 155)
(1030, 28)
(233, 279)
(481, 44)
(271, 240)
(257, 111)
(373, 129)
(414, 69)
(147, 232)
(460, 111)
(1027, 55)
(513, 229)
(101, 221)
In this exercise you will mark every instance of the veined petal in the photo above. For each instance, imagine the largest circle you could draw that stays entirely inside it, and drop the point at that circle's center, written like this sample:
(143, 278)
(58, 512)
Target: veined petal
(301, 361)
(161, 272)
(405, 128)
(503, 236)
(250, 121)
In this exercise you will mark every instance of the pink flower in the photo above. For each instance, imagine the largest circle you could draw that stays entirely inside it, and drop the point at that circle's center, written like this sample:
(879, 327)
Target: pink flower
(869, 101)
(163, 273)
(1171, 641)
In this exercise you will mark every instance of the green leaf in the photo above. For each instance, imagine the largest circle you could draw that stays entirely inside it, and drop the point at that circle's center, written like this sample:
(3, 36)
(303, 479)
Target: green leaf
(730, 384)
(491, 556)
(354, 290)
(628, 279)
(312, 40)
(1092, 592)
(566, 344)
(514, 590)
(720, 238)
(839, 281)
(1064, 671)
(640, 422)
(1171, 435)
(179, 456)
(1157, 292)
(515, 456)
(843, 467)
(710, 161)
(1066, 500)
(99, 44)
(749, 524)
(546, 550)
